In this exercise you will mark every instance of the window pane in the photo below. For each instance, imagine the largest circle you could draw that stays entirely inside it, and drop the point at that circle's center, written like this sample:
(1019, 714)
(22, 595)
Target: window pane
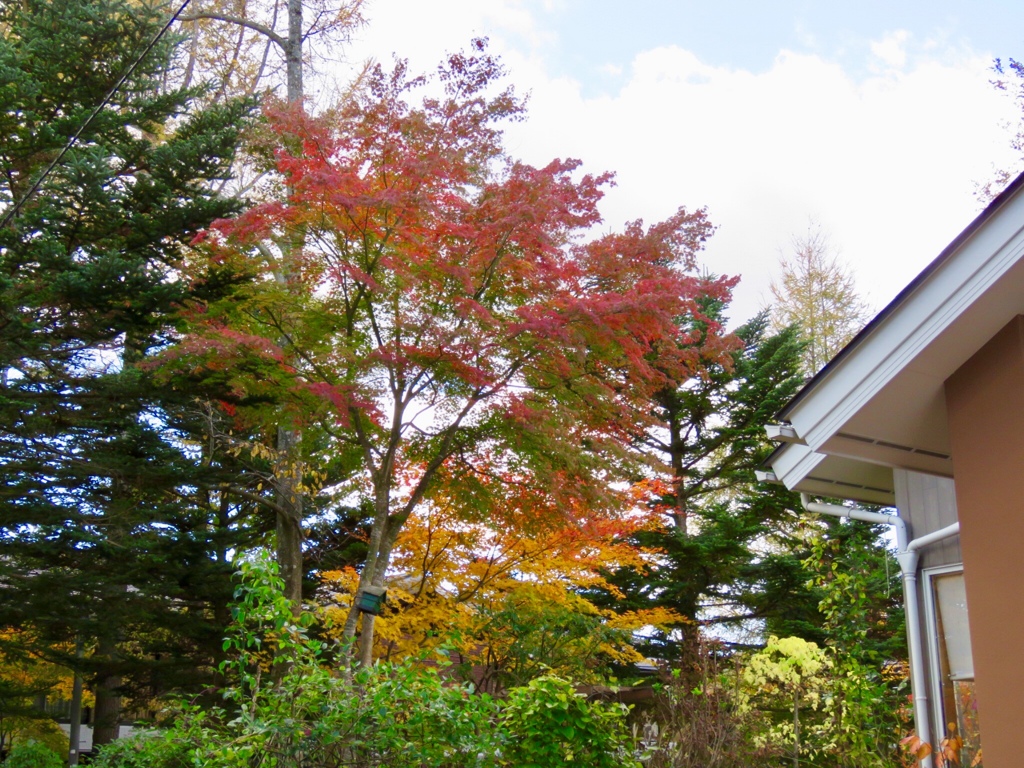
(960, 705)
(951, 600)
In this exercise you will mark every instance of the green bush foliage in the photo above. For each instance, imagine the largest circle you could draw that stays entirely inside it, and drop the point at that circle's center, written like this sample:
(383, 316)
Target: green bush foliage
(550, 725)
(32, 754)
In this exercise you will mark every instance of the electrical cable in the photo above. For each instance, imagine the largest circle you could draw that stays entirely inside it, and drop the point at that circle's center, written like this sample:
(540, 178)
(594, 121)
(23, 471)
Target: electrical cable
(13, 211)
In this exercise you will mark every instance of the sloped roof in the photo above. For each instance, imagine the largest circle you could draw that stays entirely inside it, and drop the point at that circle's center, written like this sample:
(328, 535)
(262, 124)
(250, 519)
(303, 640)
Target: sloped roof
(880, 403)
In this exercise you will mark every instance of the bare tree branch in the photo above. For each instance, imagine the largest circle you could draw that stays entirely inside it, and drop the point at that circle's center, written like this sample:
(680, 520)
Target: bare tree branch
(228, 18)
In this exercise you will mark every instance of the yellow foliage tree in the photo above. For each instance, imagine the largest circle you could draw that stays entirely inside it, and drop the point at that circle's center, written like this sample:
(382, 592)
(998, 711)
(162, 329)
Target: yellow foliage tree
(791, 671)
(23, 680)
(505, 591)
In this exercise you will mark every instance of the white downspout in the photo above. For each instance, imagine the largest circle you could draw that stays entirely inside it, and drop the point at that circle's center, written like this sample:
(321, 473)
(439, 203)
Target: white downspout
(907, 557)
(908, 560)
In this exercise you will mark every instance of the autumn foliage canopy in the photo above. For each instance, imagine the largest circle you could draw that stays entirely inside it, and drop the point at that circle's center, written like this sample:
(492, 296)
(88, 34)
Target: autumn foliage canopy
(441, 310)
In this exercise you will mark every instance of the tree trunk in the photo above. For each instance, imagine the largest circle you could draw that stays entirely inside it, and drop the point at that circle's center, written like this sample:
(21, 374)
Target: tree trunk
(370, 568)
(107, 711)
(75, 728)
(796, 730)
(675, 443)
(366, 641)
(107, 708)
(289, 478)
(293, 54)
(289, 516)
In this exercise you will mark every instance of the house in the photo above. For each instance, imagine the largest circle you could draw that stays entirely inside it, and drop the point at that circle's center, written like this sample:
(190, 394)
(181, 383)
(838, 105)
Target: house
(924, 411)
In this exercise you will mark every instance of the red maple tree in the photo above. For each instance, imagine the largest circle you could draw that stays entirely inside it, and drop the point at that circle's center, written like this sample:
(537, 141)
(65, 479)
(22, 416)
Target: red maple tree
(447, 311)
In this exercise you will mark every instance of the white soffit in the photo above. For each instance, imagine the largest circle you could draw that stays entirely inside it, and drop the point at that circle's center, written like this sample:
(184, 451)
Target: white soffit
(818, 474)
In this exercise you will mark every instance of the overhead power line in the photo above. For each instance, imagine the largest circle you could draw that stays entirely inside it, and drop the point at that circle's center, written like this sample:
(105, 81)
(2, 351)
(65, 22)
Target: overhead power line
(13, 210)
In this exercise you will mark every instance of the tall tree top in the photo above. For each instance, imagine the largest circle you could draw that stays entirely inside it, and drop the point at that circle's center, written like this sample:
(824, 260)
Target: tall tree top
(817, 293)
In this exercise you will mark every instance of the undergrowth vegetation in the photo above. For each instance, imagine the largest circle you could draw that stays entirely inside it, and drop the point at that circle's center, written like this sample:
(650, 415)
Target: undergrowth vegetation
(286, 703)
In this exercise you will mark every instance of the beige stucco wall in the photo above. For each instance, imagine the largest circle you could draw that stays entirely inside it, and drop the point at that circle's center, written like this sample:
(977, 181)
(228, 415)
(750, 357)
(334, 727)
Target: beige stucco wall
(985, 402)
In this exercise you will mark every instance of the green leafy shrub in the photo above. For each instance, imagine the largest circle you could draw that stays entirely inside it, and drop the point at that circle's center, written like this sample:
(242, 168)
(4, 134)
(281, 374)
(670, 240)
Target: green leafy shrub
(32, 754)
(864, 625)
(286, 706)
(549, 725)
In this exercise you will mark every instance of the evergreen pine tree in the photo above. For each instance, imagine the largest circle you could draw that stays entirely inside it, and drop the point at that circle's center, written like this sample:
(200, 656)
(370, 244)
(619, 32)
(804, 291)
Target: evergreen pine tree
(104, 532)
(729, 550)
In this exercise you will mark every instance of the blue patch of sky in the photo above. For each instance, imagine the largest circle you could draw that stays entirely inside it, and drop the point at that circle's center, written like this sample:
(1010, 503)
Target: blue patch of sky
(594, 41)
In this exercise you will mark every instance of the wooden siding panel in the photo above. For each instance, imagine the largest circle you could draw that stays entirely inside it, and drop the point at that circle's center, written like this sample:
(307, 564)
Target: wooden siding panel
(928, 503)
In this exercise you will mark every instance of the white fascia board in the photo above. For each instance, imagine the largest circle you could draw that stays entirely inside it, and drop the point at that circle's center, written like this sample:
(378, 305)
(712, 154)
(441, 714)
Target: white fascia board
(795, 462)
(955, 285)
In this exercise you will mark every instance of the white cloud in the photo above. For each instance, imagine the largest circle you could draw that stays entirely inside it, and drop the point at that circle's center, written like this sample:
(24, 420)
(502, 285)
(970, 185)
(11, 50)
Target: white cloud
(885, 164)
(891, 49)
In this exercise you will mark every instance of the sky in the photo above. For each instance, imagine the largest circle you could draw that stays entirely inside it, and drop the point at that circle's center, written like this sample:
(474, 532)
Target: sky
(873, 121)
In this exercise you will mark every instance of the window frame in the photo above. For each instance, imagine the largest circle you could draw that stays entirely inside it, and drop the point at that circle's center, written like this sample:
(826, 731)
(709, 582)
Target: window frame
(931, 616)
